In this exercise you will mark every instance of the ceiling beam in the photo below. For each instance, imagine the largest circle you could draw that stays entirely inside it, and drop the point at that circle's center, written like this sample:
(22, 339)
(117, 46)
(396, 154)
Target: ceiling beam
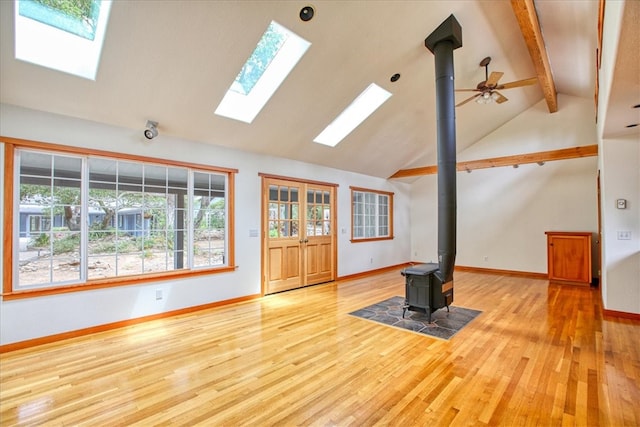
(518, 159)
(527, 18)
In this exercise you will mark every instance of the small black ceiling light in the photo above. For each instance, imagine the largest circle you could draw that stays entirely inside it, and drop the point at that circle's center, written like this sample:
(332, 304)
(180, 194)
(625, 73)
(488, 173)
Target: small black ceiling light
(395, 77)
(306, 13)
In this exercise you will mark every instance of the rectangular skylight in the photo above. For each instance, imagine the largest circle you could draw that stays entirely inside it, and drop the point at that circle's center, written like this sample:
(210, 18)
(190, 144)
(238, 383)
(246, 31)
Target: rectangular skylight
(65, 36)
(357, 112)
(275, 55)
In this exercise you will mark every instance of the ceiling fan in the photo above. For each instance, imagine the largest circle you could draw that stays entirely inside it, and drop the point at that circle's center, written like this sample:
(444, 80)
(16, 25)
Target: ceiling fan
(488, 88)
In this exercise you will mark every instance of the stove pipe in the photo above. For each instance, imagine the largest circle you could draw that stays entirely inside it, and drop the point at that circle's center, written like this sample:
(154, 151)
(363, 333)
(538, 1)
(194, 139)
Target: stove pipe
(442, 42)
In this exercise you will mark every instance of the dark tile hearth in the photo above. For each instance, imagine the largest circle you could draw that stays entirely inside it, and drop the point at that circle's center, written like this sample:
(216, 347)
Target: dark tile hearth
(444, 324)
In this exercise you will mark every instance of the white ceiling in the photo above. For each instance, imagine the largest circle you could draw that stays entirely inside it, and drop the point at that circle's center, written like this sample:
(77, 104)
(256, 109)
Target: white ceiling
(172, 61)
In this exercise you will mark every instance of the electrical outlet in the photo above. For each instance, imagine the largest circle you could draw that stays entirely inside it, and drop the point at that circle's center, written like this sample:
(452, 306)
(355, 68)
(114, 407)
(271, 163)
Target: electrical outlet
(158, 294)
(624, 235)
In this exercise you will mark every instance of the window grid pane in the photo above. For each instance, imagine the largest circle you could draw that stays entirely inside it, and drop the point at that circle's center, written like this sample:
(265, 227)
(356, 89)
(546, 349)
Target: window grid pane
(134, 220)
(371, 215)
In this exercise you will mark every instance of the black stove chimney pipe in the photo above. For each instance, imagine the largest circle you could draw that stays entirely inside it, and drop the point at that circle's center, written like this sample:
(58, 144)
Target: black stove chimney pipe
(442, 42)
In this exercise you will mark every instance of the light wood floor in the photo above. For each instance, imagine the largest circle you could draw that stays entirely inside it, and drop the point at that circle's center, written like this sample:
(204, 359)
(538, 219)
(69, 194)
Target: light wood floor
(539, 354)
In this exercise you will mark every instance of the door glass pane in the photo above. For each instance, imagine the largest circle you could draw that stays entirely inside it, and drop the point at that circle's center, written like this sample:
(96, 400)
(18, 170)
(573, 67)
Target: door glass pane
(283, 211)
(284, 194)
(273, 228)
(273, 193)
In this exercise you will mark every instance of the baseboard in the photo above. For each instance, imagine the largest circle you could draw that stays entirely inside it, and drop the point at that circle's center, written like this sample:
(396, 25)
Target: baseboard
(376, 271)
(513, 273)
(623, 314)
(5, 348)
(525, 274)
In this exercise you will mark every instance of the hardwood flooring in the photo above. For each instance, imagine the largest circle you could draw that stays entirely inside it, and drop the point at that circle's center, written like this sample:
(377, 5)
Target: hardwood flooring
(539, 354)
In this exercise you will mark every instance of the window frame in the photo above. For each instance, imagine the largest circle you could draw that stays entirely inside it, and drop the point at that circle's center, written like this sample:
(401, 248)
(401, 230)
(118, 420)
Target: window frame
(377, 193)
(10, 244)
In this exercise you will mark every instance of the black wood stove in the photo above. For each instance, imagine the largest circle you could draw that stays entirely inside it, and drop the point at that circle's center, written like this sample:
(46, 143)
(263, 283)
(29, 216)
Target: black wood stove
(424, 292)
(429, 287)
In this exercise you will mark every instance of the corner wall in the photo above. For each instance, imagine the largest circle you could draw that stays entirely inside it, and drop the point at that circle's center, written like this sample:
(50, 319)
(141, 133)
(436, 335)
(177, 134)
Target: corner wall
(621, 258)
(504, 212)
(620, 178)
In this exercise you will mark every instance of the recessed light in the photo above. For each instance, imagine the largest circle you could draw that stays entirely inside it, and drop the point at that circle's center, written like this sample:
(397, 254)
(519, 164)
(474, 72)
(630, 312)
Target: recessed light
(306, 13)
(395, 77)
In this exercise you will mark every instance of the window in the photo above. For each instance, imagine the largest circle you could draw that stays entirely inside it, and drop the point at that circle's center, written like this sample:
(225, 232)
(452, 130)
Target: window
(275, 55)
(352, 116)
(372, 215)
(80, 219)
(65, 35)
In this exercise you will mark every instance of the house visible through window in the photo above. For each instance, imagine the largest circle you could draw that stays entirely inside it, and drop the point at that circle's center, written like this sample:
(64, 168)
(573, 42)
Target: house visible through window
(82, 218)
(372, 214)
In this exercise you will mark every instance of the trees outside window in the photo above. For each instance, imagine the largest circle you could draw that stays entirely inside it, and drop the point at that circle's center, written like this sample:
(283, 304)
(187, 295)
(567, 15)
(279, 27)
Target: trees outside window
(83, 218)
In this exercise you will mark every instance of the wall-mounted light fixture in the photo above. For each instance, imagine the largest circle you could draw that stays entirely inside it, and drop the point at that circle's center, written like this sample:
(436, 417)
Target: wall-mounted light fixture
(151, 129)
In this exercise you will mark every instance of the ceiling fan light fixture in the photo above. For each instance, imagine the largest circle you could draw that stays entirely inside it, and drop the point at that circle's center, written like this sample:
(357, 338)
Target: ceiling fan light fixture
(495, 96)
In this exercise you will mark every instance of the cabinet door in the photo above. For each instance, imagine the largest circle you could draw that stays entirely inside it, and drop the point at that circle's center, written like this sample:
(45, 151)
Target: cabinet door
(570, 258)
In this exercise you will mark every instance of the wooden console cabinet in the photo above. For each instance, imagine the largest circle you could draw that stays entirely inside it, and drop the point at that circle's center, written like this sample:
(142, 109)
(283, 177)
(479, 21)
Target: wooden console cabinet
(569, 257)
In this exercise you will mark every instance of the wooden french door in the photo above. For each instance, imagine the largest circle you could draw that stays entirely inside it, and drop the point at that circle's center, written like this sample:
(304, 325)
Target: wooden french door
(298, 232)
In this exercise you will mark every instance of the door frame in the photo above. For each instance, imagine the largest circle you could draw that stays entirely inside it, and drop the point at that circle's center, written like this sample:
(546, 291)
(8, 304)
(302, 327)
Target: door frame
(264, 220)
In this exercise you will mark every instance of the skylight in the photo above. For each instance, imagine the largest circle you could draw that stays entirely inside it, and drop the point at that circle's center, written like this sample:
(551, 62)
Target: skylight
(275, 55)
(64, 35)
(357, 112)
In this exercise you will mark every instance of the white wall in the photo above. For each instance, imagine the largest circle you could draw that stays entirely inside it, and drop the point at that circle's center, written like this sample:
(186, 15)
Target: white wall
(504, 212)
(37, 317)
(620, 179)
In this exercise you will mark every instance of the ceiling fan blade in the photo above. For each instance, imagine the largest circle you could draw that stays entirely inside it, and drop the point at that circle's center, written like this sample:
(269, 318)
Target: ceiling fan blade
(501, 98)
(518, 83)
(467, 90)
(493, 78)
(471, 98)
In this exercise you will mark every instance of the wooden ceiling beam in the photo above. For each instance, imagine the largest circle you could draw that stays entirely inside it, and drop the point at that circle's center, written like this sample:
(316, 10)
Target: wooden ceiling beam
(527, 18)
(519, 159)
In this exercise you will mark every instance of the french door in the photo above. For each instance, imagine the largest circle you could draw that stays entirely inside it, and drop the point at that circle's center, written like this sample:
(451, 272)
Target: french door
(298, 232)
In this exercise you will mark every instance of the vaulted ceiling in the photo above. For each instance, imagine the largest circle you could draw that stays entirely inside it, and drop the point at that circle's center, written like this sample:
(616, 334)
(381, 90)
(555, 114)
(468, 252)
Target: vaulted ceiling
(172, 62)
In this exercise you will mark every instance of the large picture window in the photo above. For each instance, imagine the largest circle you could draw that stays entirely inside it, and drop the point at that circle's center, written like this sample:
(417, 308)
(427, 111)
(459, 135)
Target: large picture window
(372, 215)
(79, 219)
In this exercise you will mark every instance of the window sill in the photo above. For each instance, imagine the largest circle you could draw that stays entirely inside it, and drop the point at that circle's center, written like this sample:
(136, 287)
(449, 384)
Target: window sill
(114, 282)
(373, 239)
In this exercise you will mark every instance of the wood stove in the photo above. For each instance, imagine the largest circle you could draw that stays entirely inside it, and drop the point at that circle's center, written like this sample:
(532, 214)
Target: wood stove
(424, 292)
(429, 287)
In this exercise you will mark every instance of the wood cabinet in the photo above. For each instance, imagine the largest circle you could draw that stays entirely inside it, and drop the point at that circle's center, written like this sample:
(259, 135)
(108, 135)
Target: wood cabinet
(569, 257)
